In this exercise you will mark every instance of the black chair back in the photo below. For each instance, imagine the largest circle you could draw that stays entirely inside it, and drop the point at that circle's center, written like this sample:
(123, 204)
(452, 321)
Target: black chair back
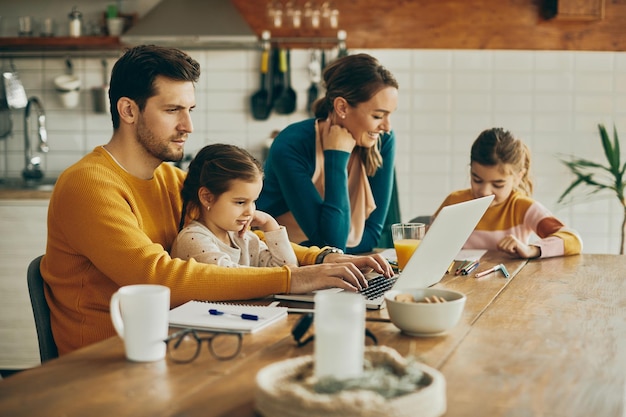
(41, 311)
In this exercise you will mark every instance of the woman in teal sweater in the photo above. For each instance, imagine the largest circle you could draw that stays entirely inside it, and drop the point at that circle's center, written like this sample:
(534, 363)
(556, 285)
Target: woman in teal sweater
(328, 180)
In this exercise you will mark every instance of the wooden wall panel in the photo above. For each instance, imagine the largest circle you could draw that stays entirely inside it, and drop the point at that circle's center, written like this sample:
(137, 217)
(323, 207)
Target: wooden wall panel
(458, 24)
(580, 9)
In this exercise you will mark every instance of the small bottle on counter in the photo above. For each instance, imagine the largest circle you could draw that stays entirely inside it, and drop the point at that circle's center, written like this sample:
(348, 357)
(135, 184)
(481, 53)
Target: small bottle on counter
(75, 22)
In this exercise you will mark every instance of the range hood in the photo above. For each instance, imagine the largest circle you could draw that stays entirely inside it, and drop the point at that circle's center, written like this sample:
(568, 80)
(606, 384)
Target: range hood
(205, 24)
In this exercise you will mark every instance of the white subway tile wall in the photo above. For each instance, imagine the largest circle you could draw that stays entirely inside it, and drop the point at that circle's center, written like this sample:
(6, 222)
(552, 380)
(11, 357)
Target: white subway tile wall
(554, 100)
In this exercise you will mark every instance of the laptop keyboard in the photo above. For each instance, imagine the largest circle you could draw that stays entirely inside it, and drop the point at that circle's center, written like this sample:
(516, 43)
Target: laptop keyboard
(378, 286)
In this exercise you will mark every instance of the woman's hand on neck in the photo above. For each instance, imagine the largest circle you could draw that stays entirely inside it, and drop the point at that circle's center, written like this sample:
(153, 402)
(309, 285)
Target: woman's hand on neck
(335, 137)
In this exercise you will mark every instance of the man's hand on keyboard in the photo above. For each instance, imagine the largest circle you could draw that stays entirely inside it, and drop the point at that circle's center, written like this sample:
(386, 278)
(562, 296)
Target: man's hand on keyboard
(366, 263)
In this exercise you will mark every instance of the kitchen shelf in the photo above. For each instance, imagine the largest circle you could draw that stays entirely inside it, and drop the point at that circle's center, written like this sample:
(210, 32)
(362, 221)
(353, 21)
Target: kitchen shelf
(59, 43)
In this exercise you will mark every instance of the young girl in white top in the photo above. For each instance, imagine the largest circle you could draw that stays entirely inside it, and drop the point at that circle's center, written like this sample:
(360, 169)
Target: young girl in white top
(219, 195)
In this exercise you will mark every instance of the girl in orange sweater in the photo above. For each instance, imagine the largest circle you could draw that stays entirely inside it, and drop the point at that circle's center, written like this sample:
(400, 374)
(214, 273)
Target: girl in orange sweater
(500, 165)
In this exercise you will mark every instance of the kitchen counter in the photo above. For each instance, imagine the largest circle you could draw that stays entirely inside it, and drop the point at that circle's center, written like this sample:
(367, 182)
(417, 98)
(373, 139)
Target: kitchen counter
(24, 194)
(18, 189)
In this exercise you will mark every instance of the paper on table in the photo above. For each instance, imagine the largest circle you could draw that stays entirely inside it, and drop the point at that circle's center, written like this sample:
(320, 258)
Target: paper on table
(470, 254)
(195, 314)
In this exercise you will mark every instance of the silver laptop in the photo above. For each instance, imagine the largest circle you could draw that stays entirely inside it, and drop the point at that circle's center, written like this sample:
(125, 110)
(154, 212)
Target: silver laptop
(430, 261)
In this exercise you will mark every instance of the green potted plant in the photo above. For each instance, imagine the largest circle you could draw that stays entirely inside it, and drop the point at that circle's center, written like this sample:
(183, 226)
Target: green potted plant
(601, 178)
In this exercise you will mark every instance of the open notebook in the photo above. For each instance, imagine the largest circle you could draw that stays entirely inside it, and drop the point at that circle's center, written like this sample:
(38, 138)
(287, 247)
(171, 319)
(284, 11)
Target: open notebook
(225, 317)
(430, 261)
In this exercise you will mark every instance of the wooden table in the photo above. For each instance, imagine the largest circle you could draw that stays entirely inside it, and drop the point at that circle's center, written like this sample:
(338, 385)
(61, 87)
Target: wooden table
(552, 344)
(550, 341)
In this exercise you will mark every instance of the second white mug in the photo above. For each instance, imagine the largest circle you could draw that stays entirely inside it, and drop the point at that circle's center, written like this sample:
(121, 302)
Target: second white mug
(339, 334)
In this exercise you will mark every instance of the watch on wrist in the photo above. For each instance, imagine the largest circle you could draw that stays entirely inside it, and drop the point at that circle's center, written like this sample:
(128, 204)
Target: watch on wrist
(320, 258)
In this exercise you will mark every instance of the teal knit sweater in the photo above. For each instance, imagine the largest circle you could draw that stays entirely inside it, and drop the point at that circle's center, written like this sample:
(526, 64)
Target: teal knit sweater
(326, 222)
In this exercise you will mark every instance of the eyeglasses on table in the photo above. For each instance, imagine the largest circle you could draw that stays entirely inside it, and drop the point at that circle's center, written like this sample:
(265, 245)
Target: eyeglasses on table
(184, 346)
(302, 326)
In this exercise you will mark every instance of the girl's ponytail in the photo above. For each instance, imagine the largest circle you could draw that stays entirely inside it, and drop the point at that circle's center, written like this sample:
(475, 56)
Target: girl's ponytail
(526, 183)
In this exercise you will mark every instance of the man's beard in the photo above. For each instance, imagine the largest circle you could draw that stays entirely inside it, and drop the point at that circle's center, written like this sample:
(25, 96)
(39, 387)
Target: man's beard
(159, 148)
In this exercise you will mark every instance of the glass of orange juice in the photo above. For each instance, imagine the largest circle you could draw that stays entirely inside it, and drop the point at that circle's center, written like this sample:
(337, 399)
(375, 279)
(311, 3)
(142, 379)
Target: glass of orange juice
(406, 238)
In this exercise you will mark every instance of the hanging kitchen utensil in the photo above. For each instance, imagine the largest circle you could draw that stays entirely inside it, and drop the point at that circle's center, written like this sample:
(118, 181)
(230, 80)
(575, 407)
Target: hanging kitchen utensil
(315, 74)
(286, 102)
(260, 102)
(14, 90)
(69, 67)
(101, 93)
(6, 123)
(68, 86)
(278, 78)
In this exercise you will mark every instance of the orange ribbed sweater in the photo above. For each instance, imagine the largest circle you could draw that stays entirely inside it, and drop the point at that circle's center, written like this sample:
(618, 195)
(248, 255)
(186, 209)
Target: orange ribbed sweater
(107, 228)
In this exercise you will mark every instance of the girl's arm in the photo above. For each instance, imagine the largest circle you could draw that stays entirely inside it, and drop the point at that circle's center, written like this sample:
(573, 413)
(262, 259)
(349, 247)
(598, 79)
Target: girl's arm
(276, 250)
(555, 238)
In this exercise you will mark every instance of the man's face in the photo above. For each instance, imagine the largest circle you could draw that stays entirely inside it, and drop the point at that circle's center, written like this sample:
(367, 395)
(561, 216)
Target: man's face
(165, 123)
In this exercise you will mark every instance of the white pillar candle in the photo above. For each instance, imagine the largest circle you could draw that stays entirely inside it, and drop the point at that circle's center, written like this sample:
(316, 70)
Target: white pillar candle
(339, 334)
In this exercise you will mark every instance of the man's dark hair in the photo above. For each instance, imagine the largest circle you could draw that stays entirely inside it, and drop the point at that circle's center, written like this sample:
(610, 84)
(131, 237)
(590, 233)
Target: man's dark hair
(134, 73)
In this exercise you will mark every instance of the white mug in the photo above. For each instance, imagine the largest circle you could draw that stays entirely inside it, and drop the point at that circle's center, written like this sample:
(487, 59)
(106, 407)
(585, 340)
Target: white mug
(140, 315)
(70, 99)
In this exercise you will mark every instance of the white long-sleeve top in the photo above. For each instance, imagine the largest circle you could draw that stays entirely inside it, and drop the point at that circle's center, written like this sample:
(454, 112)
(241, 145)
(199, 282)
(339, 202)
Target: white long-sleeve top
(198, 242)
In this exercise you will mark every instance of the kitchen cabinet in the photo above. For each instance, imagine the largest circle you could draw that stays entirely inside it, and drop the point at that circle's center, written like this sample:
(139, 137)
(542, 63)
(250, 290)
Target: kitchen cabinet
(589, 25)
(23, 228)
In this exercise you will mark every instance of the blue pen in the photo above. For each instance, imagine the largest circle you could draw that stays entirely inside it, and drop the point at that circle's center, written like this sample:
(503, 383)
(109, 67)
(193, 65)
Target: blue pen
(244, 316)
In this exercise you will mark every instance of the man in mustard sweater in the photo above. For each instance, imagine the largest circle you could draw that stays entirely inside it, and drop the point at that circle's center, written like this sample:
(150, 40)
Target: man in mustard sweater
(114, 214)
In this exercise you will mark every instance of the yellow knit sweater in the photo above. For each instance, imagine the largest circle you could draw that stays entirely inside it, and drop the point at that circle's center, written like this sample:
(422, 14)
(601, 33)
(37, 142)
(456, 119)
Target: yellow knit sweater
(107, 228)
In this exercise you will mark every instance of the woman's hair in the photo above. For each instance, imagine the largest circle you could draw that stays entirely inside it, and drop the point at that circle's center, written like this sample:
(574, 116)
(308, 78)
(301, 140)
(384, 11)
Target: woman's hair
(134, 73)
(215, 167)
(497, 147)
(356, 78)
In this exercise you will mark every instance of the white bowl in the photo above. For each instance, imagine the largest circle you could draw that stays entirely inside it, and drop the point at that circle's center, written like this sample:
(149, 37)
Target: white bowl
(425, 319)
